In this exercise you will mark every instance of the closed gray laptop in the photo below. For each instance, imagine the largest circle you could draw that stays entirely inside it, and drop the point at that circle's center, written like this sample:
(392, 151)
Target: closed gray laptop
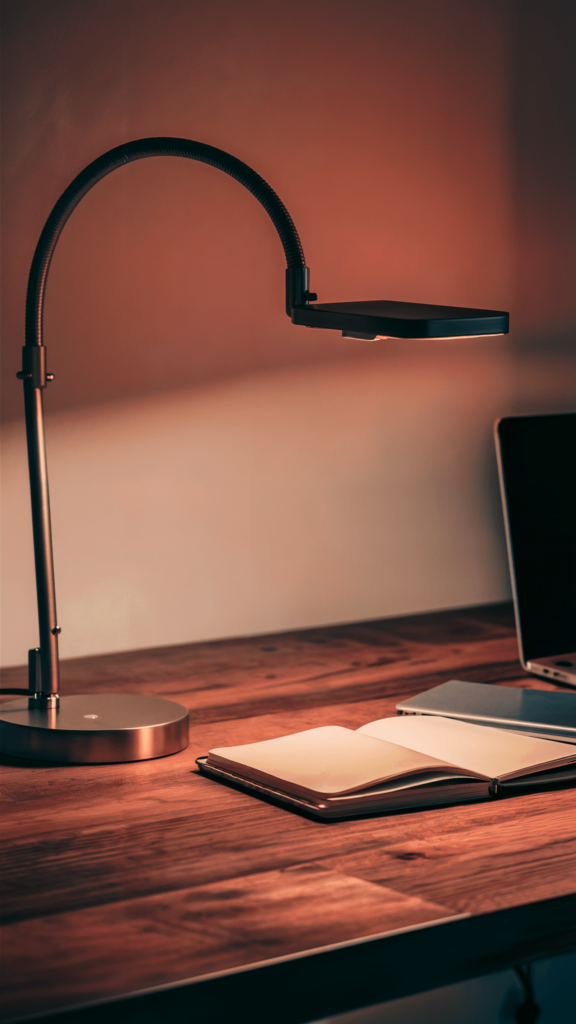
(547, 714)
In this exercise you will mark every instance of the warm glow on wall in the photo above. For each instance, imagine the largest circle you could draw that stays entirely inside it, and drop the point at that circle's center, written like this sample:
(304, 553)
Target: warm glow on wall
(437, 166)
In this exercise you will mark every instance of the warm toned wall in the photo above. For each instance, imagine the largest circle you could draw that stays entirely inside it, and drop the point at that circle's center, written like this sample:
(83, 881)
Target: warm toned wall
(383, 126)
(214, 469)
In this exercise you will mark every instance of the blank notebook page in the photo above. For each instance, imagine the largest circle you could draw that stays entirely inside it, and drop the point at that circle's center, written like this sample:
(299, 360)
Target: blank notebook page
(329, 760)
(478, 748)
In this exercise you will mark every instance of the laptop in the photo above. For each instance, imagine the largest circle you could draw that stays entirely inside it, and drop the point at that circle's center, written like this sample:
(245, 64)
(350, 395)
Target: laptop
(537, 467)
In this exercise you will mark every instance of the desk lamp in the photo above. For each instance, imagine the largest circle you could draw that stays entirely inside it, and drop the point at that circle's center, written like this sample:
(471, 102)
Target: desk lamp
(99, 728)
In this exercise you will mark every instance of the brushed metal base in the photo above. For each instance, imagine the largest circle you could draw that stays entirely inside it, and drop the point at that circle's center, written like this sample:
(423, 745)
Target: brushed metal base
(94, 729)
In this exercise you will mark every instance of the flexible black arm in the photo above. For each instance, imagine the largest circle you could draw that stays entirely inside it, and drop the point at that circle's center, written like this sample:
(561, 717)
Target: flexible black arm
(43, 666)
(138, 150)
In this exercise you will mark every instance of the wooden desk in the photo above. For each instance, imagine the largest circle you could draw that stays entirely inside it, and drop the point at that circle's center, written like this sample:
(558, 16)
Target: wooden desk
(133, 877)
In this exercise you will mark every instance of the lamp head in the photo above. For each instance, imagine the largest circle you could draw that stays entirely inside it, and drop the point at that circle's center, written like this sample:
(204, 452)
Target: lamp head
(368, 321)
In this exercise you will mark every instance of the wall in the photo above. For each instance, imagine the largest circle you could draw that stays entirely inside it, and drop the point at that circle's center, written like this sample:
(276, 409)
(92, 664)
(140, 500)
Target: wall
(215, 470)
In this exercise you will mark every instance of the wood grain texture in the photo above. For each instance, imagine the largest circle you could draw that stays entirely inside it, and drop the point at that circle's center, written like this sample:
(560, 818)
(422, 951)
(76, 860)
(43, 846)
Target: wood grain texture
(191, 932)
(145, 874)
(252, 676)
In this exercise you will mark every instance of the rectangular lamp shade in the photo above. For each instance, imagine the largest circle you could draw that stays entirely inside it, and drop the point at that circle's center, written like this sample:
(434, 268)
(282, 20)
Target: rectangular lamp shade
(369, 320)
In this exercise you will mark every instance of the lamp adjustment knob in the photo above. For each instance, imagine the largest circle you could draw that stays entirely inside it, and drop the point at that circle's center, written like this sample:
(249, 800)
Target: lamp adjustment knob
(49, 376)
(56, 630)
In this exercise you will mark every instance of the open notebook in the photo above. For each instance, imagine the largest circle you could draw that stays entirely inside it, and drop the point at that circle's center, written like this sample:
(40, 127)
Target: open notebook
(407, 761)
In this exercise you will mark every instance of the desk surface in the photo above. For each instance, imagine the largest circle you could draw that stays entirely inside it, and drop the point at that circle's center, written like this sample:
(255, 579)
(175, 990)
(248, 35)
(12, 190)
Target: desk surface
(152, 881)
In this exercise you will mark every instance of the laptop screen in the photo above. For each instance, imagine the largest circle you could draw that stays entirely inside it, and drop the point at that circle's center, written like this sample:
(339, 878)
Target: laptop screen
(537, 462)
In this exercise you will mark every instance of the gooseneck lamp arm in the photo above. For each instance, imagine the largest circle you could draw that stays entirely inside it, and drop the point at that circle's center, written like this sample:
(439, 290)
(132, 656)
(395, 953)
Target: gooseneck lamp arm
(43, 679)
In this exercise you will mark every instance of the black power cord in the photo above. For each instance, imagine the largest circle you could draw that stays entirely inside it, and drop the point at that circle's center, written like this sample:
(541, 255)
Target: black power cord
(527, 1012)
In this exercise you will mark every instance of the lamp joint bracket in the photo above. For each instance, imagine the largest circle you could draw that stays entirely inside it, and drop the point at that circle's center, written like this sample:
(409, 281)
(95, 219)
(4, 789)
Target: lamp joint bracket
(298, 288)
(33, 370)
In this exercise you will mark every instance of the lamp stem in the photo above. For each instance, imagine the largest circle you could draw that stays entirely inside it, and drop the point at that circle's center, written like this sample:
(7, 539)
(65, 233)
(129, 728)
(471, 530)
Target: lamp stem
(34, 357)
(34, 377)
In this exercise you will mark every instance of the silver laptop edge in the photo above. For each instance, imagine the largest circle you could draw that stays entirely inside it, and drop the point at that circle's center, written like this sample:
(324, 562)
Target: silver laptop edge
(546, 668)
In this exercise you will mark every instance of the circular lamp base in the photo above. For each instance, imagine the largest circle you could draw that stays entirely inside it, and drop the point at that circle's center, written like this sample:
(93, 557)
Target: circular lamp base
(96, 729)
